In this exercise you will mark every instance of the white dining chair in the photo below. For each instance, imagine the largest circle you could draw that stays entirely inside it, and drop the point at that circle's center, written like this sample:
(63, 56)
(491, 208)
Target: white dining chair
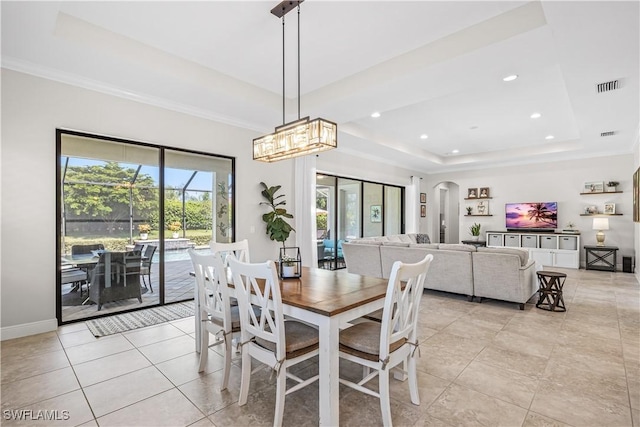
(265, 335)
(380, 347)
(239, 249)
(217, 316)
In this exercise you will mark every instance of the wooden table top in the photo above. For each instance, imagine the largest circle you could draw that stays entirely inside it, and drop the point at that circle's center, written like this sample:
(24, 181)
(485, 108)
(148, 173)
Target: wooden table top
(330, 292)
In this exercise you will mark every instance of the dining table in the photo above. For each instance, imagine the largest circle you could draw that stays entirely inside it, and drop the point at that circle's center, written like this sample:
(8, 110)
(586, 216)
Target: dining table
(327, 299)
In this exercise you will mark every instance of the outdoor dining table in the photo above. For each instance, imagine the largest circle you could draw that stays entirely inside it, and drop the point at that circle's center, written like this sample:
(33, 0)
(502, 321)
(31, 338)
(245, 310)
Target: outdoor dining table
(327, 299)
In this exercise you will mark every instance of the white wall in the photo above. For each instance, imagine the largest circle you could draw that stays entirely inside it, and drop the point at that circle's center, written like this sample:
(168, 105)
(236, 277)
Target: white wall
(559, 182)
(32, 109)
(636, 226)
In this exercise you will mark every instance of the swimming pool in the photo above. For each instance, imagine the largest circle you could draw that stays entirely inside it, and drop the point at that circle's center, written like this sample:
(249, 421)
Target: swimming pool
(178, 254)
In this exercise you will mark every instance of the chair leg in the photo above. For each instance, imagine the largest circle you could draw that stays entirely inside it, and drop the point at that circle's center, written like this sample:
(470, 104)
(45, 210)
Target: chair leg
(281, 389)
(227, 362)
(413, 380)
(204, 349)
(150, 287)
(385, 403)
(246, 377)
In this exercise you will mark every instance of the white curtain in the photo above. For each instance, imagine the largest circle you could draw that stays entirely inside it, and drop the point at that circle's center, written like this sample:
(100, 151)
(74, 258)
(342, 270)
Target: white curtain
(412, 197)
(305, 209)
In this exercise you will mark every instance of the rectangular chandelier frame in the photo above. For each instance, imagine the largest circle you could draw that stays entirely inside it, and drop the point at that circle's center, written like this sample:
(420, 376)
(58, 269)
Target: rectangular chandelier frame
(298, 138)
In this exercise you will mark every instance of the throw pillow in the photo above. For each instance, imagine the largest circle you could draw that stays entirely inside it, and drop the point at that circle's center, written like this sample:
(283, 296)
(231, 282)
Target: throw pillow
(422, 238)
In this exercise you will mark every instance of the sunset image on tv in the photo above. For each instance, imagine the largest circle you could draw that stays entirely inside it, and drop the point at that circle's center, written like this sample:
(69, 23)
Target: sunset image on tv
(532, 215)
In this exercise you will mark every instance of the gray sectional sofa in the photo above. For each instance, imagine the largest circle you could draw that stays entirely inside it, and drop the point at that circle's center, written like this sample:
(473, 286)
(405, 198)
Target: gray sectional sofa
(498, 273)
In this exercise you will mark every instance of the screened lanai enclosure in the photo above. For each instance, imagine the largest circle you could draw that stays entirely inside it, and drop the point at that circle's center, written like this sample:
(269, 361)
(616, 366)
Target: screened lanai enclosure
(128, 213)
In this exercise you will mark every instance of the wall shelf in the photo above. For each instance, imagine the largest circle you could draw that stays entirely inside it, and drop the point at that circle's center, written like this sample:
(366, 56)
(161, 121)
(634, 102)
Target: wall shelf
(600, 192)
(478, 215)
(601, 214)
(478, 198)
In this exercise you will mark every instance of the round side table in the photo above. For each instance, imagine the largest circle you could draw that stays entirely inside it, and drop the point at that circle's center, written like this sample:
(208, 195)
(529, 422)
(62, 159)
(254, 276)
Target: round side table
(550, 290)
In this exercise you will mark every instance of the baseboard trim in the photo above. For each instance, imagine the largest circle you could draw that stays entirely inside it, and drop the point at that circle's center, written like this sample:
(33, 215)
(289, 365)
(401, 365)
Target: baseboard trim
(26, 329)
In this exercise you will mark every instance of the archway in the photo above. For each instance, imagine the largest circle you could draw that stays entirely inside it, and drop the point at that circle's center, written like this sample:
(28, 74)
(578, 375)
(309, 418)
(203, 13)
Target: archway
(445, 222)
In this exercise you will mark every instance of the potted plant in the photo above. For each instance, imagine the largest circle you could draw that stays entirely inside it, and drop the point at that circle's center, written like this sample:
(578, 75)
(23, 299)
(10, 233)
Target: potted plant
(144, 230)
(278, 229)
(469, 210)
(474, 230)
(611, 186)
(175, 227)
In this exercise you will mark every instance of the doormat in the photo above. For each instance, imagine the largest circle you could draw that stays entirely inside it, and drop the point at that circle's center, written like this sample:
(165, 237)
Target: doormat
(139, 319)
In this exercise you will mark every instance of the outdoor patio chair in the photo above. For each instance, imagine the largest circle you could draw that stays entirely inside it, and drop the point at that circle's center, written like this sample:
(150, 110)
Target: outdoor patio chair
(145, 264)
(266, 336)
(383, 346)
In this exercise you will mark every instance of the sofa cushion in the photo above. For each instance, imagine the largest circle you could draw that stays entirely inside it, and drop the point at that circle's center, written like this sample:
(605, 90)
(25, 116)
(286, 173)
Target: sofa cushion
(405, 238)
(412, 237)
(400, 244)
(366, 242)
(456, 247)
(522, 253)
(424, 245)
(422, 238)
(394, 238)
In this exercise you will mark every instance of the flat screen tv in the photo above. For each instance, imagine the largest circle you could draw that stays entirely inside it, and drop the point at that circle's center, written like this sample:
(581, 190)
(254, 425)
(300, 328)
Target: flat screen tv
(542, 216)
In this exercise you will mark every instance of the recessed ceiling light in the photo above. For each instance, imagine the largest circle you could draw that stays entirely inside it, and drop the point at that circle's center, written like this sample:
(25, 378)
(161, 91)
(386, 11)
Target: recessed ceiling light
(536, 115)
(456, 151)
(549, 137)
(375, 115)
(473, 128)
(510, 78)
(424, 136)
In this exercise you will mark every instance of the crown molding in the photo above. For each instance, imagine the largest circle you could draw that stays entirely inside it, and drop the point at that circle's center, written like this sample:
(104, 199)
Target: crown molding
(71, 79)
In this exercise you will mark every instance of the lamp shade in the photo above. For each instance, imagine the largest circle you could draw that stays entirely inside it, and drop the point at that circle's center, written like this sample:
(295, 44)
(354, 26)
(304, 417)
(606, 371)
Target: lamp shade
(600, 223)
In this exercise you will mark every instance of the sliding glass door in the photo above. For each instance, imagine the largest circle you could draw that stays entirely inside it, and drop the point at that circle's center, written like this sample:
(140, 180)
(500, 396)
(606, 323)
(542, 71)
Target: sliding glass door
(128, 213)
(348, 208)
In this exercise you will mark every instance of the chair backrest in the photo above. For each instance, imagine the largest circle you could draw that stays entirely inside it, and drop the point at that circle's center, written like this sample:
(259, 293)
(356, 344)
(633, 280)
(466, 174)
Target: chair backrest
(148, 255)
(257, 284)
(138, 247)
(86, 249)
(240, 250)
(402, 303)
(213, 290)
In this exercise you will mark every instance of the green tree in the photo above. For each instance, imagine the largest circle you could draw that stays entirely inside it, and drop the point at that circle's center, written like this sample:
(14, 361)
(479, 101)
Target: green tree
(103, 192)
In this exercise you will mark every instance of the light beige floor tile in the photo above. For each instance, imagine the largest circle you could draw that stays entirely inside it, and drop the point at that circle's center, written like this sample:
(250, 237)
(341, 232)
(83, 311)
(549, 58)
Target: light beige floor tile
(438, 320)
(169, 349)
(92, 423)
(578, 406)
(116, 393)
(169, 408)
(77, 338)
(71, 327)
(186, 325)
(591, 330)
(537, 420)
(108, 367)
(463, 406)
(444, 341)
(105, 346)
(496, 382)
(443, 363)
(513, 341)
(29, 365)
(183, 369)
(469, 328)
(635, 413)
(30, 390)
(69, 409)
(33, 344)
(152, 334)
(512, 360)
(204, 422)
(429, 420)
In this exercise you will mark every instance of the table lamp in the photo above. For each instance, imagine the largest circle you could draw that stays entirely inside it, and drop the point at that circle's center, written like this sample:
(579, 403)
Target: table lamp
(600, 224)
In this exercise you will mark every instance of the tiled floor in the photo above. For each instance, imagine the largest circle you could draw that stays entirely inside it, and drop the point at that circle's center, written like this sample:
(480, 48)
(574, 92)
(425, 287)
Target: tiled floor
(481, 364)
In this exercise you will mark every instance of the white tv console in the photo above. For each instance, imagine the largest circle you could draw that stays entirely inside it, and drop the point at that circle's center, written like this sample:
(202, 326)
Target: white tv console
(548, 249)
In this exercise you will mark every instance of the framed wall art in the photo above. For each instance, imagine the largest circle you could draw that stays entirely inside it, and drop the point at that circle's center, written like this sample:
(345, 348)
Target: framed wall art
(423, 211)
(594, 187)
(472, 193)
(484, 192)
(423, 197)
(375, 213)
(609, 208)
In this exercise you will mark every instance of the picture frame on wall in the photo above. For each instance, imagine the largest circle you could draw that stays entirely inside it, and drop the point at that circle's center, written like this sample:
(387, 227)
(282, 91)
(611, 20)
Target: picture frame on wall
(375, 213)
(609, 208)
(423, 197)
(423, 211)
(482, 208)
(594, 187)
(484, 192)
(472, 193)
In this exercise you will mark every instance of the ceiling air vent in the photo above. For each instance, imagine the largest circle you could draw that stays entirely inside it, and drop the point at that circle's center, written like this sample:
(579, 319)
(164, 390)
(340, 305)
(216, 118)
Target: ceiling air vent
(610, 133)
(608, 86)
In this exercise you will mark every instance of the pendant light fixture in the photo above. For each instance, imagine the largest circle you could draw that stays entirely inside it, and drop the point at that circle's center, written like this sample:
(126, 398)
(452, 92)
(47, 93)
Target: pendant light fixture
(300, 137)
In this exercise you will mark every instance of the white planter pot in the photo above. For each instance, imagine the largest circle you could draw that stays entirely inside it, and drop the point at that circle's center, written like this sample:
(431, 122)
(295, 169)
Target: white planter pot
(176, 234)
(475, 238)
(288, 271)
(611, 189)
(144, 236)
